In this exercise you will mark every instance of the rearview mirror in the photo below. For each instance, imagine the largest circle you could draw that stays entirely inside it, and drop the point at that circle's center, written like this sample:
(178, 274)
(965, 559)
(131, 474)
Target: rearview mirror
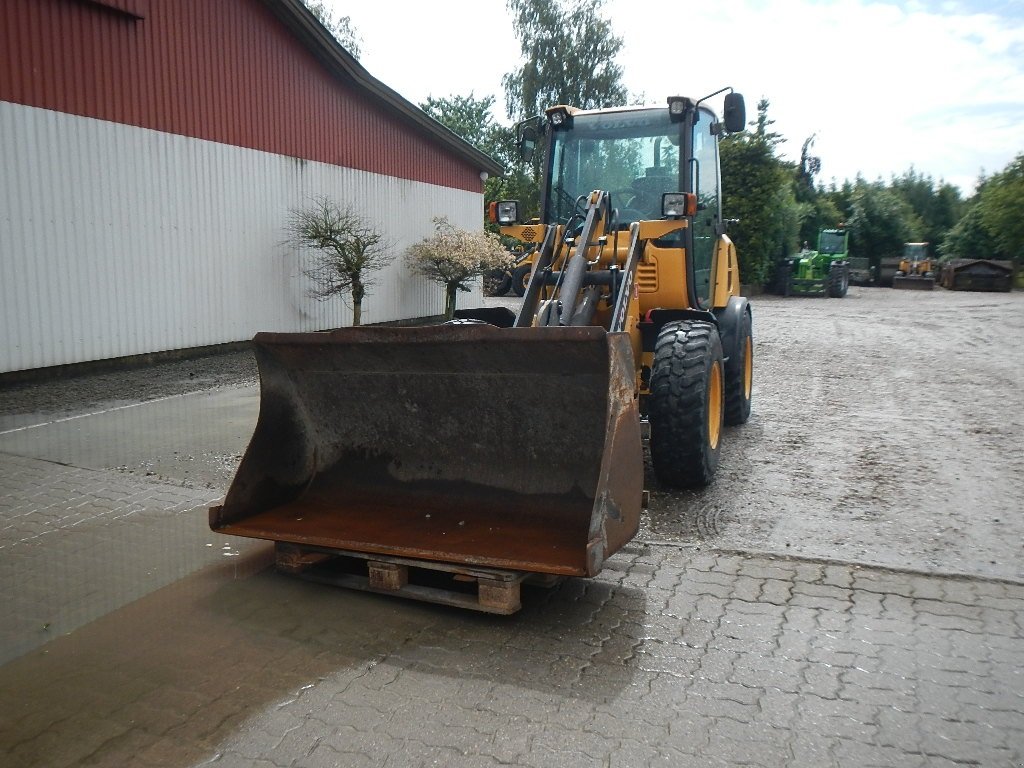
(527, 142)
(735, 113)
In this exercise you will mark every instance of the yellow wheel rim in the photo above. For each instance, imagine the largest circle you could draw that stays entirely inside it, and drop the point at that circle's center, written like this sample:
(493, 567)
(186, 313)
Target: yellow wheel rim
(748, 368)
(715, 400)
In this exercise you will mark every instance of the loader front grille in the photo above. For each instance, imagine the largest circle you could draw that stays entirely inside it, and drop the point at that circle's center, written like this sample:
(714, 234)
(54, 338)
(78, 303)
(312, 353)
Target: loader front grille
(647, 277)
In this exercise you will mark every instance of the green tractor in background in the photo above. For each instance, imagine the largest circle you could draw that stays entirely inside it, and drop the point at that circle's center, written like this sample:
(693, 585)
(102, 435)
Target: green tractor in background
(820, 272)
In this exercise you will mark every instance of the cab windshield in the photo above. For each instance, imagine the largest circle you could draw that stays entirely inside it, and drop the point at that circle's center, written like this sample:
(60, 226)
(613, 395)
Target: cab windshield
(832, 242)
(634, 155)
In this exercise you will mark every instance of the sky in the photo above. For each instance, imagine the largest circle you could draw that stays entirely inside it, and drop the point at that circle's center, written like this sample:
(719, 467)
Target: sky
(882, 85)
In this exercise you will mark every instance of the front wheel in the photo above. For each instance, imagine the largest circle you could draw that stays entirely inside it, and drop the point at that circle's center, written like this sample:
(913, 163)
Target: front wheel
(686, 404)
(521, 278)
(838, 281)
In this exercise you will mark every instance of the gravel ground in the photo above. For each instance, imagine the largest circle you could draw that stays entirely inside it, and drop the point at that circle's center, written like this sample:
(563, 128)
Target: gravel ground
(887, 429)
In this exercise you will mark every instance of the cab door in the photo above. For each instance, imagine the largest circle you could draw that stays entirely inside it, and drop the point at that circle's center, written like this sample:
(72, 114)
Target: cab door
(706, 224)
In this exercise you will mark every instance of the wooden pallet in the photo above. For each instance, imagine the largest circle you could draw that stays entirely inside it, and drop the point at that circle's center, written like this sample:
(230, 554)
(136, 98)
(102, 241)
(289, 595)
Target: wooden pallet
(491, 590)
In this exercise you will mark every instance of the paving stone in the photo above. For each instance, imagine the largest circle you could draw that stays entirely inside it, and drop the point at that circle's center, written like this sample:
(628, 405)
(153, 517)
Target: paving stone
(851, 752)
(838, 576)
(778, 708)
(813, 750)
(766, 569)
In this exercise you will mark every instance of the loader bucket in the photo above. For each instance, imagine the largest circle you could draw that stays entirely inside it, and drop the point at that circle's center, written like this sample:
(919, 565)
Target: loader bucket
(517, 448)
(913, 283)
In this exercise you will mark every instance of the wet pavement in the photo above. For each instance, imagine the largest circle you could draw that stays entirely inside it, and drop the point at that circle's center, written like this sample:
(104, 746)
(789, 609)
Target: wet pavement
(134, 636)
(670, 658)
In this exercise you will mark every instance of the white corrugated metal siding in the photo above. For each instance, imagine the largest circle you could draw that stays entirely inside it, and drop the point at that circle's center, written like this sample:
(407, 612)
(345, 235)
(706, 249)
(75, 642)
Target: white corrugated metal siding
(117, 240)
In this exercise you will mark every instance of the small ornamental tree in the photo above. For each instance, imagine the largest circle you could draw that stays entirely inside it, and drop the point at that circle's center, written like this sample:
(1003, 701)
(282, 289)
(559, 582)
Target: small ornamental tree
(453, 257)
(345, 250)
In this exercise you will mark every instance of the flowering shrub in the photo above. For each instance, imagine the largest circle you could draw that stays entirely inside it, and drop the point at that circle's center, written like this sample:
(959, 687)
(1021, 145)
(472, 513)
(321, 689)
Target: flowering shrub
(453, 257)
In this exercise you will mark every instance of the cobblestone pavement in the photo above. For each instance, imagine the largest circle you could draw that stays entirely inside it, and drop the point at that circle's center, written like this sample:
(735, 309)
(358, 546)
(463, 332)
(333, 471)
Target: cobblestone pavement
(672, 657)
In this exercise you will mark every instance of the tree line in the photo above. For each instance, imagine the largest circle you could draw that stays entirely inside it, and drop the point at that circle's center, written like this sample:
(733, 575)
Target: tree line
(781, 205)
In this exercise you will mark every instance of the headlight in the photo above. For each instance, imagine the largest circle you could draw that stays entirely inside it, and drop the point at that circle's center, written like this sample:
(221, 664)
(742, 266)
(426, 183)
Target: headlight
(676, 205)
(508, 211)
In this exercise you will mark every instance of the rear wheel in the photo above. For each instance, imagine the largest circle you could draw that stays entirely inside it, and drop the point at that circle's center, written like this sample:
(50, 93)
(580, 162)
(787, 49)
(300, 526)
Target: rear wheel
(838, 280)
(686, 405)
(739, 375)
(497, 282)
(520, 278)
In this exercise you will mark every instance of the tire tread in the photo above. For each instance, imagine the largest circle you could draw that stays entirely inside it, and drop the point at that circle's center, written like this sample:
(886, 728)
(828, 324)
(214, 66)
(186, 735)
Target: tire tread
(680, 451)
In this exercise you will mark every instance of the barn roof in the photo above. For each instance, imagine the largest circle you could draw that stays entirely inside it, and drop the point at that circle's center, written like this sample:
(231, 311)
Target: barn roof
(322, 44)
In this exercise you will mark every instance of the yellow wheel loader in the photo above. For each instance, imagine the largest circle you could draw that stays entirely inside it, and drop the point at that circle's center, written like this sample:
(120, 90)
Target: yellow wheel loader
(916, 270)
(450, 463)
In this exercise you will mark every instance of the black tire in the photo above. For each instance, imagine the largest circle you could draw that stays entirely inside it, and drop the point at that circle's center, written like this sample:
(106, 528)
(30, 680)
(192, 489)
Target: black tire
(497, 282)
(787, 284)
(686, 404)
(520, 277)
(739, 375)
(838, 280)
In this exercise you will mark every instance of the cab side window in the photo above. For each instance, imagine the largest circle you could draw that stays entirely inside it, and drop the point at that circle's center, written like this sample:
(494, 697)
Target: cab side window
(705, 184)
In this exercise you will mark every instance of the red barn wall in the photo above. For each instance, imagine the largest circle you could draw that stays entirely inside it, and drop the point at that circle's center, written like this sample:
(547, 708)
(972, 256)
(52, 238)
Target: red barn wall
(221, 70)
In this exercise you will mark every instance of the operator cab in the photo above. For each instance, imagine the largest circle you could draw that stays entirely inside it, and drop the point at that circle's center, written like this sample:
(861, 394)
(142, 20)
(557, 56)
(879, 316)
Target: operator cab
(639, 155)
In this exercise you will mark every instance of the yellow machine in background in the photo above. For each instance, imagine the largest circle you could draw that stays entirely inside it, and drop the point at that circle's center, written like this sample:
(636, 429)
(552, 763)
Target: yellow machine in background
(916, 270)
(503, 446)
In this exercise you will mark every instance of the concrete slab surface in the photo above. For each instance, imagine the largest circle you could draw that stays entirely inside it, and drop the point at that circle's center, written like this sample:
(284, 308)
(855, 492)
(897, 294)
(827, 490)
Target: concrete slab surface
(194, 439)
